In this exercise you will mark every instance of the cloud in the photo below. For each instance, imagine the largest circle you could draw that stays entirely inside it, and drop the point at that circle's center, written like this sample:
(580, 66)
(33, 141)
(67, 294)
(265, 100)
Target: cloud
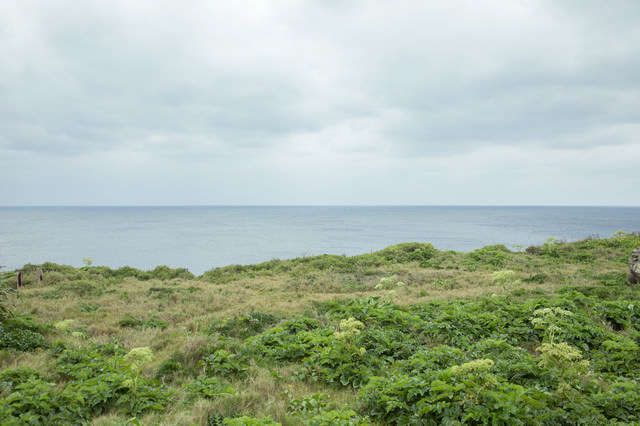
(327, 101)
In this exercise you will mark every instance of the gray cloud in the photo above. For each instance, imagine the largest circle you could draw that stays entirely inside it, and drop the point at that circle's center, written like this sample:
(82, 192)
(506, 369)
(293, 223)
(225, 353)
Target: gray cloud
(322, 102)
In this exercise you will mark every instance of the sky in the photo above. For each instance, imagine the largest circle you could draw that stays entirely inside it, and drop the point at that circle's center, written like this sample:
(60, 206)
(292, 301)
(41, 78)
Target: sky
(333, 102)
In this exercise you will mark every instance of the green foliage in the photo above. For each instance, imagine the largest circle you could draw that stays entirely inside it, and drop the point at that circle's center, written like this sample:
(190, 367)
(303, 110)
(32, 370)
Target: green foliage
(437, 358)
(467, 394)
(111, 383)
(88, 308)
(250, 421)
(165, 273)
(620, 403)
(61, 274)
(38, 402)
(133, 322)
(570, 358)
(349, 328)
(81, 288)
(21, 333)
(171, 365)
(563, 358)
(313, 404)
(491, 257)
(505, 279)
(5, 291)
(512, 363)
(338, 418)
(341, 364)
(291, 341)
(585, 251)
(408, 252)
(538, 278)
(88, 384)
(620, 356)
(388, 344)
(10, 378)
(137, 358)
(243, 326)
(373, 311)
(397, 254)
(108, 349)
(223, 363)
(620, 314)
(208, 387)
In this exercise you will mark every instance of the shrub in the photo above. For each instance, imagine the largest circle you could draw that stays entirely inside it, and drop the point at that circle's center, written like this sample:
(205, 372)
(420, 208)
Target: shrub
(408, 252)
(109, 383)
(171, 365)
(491, 256)
(39, 402)
(504, 279)
(468, 393)
(619, 356)
(338, 418)
(437, 358)
(291, 341)
(19, 332)
(340, 364)
(208, 387)
(153, 322)
(5, 291)
(224, 364)
(242, 326)
(620, 403)
(312, 404)
(250, 421)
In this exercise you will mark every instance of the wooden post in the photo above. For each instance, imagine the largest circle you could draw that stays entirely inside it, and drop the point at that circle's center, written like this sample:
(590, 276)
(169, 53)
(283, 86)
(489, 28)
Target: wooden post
(40, 274)
(19, 283)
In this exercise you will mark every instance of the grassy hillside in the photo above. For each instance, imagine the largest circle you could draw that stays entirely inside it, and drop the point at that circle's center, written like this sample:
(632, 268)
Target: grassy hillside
(406, 335)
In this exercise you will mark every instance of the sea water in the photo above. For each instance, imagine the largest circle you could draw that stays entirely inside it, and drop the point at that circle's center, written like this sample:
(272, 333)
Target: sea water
(200, 238)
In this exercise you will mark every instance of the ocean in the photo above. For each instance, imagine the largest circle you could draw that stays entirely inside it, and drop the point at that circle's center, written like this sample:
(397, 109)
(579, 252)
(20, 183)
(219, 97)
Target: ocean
(201, 238)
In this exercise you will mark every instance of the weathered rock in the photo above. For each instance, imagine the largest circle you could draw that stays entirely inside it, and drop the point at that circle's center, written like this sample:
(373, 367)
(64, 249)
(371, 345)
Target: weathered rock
(634, 267)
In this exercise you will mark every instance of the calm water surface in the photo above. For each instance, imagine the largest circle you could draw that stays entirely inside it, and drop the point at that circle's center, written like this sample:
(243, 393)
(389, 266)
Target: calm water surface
(200, 238)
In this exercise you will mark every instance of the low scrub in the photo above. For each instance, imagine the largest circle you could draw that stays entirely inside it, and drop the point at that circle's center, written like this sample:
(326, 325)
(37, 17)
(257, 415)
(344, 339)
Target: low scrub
(415, 336)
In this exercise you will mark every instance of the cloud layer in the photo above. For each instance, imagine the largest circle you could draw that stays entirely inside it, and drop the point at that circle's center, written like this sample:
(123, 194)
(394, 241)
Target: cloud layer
(338, 102)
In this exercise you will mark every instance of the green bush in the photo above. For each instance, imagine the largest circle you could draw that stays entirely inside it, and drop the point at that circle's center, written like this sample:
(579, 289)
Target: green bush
(492, 257)
(620, 356)
(109, 382)
(408, 252)
(5, 291)
(310, 405)
(171, 365)
(19, 332)
(242, 326)
(338, 418)
(620, 403)
(250, 421)
(433, 359)
(341, 364)
(208, 387)
(293, 340)
(466, 395)
(223, 363)
(132, 322)
(41, 403)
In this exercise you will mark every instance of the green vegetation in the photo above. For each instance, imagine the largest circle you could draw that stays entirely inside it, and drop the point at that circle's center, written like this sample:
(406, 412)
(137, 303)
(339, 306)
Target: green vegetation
(406, 335)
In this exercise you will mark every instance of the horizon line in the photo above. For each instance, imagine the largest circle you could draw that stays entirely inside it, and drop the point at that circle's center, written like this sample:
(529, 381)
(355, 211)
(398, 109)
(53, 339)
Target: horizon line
(310, 205)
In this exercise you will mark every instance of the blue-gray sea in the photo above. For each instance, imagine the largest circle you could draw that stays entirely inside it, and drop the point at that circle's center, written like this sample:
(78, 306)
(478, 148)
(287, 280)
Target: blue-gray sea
(200, 238)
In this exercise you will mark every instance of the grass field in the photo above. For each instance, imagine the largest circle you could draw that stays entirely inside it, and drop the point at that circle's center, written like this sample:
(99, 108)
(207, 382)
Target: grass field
(406, 335)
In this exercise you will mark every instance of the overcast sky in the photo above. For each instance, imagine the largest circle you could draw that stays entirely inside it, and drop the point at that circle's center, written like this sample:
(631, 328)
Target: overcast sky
(194, 102)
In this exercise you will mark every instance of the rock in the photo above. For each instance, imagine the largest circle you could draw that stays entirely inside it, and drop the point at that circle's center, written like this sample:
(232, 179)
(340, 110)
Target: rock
(634, 267)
